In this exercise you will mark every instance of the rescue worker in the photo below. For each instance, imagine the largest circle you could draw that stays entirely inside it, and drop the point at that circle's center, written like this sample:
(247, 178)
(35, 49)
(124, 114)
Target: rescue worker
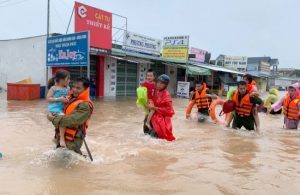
(161, 122)
(252, 89)
(243, 107)
(77, 114)
(201, 98)
(291, 107)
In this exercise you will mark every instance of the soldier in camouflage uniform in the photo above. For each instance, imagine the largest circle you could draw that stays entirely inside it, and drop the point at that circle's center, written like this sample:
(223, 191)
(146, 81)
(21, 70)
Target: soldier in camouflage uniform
(77, 113)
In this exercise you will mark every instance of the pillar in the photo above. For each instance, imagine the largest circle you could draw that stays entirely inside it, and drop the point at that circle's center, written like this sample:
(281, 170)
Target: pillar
(100, 76)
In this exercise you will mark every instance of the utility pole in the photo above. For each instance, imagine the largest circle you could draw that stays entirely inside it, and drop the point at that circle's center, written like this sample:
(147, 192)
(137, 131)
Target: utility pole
(48, 18)
(48, 32)
(187, 61)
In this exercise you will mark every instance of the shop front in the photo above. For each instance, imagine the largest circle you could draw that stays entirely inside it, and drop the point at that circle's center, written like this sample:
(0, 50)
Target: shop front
(126, 78)
(123, 74)
(158, 67)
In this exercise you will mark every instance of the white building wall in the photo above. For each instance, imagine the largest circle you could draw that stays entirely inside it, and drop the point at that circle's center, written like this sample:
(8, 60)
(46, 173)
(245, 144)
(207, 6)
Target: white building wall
(110, 76)
(22, 58)
(172, 72)
(142, 72)
(282, 83)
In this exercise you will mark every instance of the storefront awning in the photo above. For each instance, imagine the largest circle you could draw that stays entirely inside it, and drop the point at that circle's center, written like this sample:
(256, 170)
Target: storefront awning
(133, 60)
(192, 70)
(138, 60)
(217, 68)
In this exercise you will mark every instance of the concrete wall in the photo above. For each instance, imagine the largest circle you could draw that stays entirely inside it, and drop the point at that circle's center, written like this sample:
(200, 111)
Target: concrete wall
(21, 58)
(283, 83)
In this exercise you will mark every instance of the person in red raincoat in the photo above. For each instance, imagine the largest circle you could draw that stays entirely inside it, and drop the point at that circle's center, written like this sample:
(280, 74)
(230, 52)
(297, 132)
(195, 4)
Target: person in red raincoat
(161, 120)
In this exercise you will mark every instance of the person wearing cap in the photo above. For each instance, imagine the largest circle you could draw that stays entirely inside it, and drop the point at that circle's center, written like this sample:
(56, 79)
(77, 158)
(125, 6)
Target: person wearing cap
(291, 107)
(244, 103)
(163, 111)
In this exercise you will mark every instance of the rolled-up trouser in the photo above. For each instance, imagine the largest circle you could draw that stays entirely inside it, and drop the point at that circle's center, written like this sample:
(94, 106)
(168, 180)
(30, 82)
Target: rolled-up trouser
(291, 124)
(75, 145)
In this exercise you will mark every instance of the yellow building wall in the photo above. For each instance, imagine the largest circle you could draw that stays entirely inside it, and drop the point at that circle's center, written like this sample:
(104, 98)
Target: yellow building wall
(261, 84)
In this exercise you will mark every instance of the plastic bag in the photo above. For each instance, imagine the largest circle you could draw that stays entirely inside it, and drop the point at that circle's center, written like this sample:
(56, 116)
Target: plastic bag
(142, 98)
(230, 93)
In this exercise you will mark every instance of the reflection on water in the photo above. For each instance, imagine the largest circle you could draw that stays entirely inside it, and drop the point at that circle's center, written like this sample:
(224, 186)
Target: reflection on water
(205, 159)
(240, 152)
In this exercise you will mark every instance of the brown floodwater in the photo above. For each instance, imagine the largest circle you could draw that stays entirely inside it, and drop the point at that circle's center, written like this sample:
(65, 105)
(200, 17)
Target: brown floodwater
(205, 159)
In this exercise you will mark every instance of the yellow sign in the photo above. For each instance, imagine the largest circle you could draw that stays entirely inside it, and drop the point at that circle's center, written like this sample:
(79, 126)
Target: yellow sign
(175, 52)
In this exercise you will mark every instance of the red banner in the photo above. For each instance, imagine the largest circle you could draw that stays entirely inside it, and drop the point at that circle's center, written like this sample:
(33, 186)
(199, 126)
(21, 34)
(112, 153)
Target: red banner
(97, 21)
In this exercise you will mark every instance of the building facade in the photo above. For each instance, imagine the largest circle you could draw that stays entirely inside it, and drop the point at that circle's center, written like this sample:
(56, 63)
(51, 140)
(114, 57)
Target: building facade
(23, 58)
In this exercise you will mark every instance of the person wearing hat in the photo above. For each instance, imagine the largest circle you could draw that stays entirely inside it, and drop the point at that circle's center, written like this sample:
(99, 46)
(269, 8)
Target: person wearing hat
(244, 103)
(163, 111)
(291, 107)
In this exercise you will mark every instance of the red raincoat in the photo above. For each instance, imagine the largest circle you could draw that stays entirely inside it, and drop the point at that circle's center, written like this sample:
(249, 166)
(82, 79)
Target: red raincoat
(161, 119)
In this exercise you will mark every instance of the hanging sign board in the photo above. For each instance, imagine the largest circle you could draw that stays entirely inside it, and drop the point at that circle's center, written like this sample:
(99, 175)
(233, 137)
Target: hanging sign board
(68, 50)
(183, 89)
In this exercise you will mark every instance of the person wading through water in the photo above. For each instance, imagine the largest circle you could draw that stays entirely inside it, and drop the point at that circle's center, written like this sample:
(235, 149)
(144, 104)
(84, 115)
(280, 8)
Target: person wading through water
(291, 107)
(243, 107)
(202, 98)
(77, 114)
(161, 123)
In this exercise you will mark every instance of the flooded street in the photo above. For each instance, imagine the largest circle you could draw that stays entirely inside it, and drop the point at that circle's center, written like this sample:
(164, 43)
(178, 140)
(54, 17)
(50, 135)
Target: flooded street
(205, 159)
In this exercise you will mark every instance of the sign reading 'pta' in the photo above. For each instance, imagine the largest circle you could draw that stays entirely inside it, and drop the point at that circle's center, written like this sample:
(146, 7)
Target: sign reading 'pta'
(176, 47)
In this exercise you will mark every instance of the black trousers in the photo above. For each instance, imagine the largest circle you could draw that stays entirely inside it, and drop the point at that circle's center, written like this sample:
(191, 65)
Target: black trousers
(148, 131)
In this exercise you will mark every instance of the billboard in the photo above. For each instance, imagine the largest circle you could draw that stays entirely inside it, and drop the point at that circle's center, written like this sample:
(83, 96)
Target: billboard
(68, 50)
(236, 62)
(200, 54)
(97, 21)
(176, 47)
(137, 43)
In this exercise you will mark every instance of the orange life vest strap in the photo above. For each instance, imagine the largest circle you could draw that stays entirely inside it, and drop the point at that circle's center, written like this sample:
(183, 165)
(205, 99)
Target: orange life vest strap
(291, 109)
(201, 100)
(243, 107)
(70, 133)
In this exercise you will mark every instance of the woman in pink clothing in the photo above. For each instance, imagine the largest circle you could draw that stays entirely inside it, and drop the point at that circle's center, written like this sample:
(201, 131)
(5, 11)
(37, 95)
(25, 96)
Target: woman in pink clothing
(291, 107)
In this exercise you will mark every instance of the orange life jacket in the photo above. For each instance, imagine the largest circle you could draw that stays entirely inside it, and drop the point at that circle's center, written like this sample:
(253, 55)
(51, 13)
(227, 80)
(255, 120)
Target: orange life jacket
(243, 107)
(201, 100)
(83, 97)
(290, 108)
(250, 86)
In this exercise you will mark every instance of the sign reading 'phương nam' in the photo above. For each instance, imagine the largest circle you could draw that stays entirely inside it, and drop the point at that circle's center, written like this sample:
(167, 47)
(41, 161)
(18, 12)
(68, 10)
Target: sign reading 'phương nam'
(142, 44)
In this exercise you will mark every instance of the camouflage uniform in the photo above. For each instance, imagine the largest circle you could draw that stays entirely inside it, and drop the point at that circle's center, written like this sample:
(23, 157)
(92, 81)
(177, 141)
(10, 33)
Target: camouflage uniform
(77, 118)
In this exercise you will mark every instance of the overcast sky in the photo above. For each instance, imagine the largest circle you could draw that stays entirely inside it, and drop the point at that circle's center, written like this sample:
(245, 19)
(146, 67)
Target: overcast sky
(230, 27)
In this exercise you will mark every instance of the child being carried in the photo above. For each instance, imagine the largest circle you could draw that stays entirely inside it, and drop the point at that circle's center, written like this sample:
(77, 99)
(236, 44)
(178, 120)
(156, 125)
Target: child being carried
(58, 90)
(151, 87)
